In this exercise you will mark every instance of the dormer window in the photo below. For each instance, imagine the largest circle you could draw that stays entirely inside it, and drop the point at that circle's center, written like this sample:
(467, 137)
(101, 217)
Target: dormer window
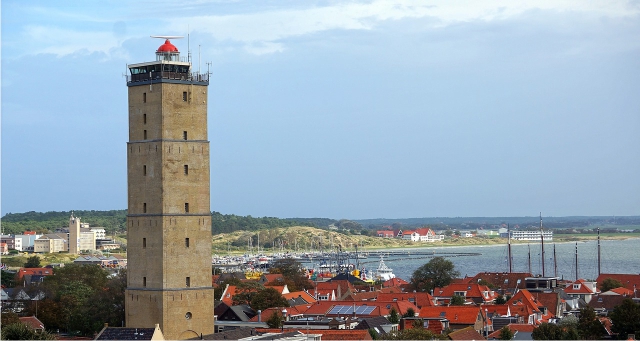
(576, 287)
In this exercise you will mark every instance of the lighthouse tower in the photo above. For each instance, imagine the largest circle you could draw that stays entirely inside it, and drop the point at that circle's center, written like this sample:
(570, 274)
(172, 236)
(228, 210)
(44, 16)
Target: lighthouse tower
(169, 219)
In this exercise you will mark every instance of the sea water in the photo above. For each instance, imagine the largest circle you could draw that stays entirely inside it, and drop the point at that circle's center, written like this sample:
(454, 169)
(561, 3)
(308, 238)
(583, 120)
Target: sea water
(617, 256)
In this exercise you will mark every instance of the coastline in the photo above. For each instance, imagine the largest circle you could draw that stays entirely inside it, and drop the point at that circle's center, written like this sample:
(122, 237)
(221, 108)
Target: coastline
(495, 242)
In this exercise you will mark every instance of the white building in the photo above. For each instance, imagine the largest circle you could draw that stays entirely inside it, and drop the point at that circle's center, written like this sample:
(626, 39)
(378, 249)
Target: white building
(531, 235)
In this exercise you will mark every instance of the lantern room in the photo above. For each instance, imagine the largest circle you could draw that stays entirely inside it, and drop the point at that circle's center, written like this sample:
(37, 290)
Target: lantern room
(167, 52)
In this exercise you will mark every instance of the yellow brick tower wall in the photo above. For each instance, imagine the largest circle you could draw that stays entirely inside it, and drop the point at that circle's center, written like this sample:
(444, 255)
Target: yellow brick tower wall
(168, 247)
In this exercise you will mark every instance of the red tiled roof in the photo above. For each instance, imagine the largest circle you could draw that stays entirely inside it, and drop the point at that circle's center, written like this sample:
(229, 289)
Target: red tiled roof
(503, 280)
(420, 299)
(305, 296)
(622, 291)
(525, 328)
(327, 334)
(395, 282)
(466, 334)
(455, 314)
(627, 280)
(34, 271)
(502, 309)
(361, 296)
(473, 290)
(32, 322)
(583, 289)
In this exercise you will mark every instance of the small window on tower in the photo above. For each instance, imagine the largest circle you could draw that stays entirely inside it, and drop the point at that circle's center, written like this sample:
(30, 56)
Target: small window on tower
(144, 97)
(184, 96)
(188, 282)
(144, 170)
(144, 243)
(184, 135)
(145, 135)
(144, 281)
(144, 118)
(186, 242)
(186, 169)
(144, 207)
(186, 207)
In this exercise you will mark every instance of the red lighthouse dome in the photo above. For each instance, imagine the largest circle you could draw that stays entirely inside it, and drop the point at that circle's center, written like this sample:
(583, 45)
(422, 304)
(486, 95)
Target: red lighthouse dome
(167, 47)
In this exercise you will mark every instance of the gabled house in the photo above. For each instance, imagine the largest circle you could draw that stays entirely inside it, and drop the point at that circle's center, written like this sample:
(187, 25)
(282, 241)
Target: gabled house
(385, 233)
(421, 235)
(273, 279)
(299, 298)
(331, 290)
(419, 299)
(582, 289)
(459, 317)
(479, 294)
(524, 304)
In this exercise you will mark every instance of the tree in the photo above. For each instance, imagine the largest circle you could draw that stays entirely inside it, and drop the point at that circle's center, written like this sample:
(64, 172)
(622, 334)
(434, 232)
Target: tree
(276, 320)
(505, 333)
(547, 331)
(438, 272)
(268, 298)
(457, 300)
(9, 318)
(415, 334)
(245, 292)
(81, 298)
(32, 262)
(589, 327)
(8, 279)
(500, 299)
(610, 283)
(417, 323)
(410, 313)
(20, 331)
(393, 316)
(293, 273)
(626, 318)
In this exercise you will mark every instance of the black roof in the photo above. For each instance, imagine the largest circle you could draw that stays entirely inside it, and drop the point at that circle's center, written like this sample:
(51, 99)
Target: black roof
(116, 333)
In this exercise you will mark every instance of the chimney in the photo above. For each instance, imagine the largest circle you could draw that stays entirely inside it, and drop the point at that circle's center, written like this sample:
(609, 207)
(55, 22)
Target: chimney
(259, 316)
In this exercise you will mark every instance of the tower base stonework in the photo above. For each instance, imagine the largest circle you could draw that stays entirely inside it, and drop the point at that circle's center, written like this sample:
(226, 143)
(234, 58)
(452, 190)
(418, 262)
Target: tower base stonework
(180, 313)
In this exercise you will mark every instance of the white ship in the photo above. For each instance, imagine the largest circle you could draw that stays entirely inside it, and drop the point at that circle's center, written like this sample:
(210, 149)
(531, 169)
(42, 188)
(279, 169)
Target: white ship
(384, 273)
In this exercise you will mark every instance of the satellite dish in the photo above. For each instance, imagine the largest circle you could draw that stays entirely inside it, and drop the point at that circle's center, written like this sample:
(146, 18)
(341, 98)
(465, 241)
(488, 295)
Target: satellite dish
(168, 37)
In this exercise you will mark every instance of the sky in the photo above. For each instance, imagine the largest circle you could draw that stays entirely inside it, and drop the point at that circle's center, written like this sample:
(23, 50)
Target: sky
(338, 109)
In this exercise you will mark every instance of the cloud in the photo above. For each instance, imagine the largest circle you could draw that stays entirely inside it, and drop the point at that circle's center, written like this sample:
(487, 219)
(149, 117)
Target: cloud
(267, 29)
(258, 28)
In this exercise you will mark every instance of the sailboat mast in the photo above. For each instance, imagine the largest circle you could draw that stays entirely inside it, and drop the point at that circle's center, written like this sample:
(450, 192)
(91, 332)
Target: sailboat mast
(598, 251)
(529, 245)
(576, 261)
(555, 262)
(542, 244)
(509, 250)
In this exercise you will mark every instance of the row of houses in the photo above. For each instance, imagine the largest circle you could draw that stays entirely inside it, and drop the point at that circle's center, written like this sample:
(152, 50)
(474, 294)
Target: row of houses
(426, 234)
(418, 235)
